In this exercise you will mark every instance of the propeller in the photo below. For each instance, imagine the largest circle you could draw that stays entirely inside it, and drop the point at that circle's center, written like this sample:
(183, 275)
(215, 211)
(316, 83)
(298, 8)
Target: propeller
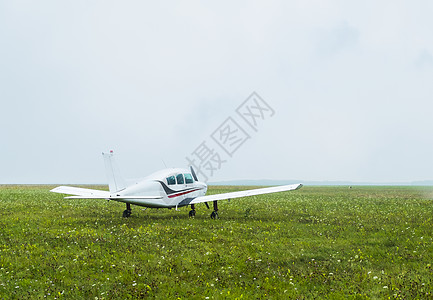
(193, 174)
(196, 179)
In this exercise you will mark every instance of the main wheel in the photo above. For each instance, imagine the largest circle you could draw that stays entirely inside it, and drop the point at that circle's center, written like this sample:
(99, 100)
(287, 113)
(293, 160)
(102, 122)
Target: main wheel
(192, 213)
(126, 213)
(214, 215)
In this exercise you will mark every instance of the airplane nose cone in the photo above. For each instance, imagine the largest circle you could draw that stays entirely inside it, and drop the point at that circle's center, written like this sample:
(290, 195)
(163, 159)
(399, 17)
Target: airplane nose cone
(203, 186)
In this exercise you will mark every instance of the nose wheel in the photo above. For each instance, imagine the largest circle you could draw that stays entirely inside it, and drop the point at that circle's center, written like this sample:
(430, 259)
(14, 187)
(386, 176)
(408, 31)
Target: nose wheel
(192, 211)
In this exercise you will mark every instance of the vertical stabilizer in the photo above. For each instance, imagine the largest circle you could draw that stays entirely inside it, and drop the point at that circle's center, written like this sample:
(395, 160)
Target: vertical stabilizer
(115, 181)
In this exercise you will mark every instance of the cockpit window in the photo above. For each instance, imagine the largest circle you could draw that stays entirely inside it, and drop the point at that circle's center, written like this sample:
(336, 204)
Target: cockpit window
(188, 178)
(171, 180)
(179, 178)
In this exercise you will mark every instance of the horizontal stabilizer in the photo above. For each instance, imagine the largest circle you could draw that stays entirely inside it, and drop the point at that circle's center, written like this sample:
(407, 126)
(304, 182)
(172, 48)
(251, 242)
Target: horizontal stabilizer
(247, 193)
(82, 193)
(116, 197)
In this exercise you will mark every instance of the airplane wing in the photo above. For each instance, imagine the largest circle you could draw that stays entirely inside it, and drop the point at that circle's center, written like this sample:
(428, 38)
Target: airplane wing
(81, 192)
(247, 193)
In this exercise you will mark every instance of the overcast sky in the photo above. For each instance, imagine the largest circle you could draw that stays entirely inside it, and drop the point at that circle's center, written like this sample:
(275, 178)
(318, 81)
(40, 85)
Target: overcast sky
(350, 85)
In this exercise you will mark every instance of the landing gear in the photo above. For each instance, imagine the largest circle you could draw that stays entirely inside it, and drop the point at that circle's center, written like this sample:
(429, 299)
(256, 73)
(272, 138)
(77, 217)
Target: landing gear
(127, 211)
(192, 211)
(214, 214)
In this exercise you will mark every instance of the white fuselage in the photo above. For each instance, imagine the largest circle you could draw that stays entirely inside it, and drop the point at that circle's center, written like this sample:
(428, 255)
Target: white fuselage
(174, 187)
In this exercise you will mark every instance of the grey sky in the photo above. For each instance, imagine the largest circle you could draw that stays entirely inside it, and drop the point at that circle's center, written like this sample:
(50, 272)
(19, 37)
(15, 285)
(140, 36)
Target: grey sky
(350, 83)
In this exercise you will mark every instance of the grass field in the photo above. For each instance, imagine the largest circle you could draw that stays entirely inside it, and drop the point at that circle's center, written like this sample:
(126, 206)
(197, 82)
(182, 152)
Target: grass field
(317, 242)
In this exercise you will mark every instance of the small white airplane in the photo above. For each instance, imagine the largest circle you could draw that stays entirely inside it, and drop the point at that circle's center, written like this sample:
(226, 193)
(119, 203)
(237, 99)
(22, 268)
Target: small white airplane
(168, 188)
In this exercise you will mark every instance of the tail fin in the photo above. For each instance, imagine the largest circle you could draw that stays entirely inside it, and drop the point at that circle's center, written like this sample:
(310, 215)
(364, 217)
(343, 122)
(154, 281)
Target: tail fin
(115, 180)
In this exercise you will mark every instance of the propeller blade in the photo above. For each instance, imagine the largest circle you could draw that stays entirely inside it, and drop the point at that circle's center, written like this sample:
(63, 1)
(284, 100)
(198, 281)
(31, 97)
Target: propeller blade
(193, 174)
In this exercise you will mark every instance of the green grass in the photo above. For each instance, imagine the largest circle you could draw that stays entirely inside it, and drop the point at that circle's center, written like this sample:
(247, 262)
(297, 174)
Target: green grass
(317, 242)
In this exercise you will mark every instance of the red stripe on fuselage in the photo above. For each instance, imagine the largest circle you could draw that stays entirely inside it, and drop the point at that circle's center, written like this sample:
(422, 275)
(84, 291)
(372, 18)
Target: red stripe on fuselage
(182, 193)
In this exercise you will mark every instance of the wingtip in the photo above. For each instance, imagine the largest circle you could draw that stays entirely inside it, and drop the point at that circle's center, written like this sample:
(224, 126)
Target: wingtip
(54, 190)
